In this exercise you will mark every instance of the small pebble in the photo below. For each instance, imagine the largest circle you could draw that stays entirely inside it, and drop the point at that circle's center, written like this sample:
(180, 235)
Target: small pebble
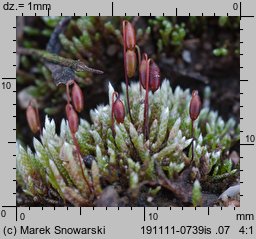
(186, 55)
(88, 161)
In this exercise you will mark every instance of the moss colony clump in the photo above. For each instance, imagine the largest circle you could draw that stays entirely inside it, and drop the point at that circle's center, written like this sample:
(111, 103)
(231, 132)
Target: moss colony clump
(146, 156)
(126, 161)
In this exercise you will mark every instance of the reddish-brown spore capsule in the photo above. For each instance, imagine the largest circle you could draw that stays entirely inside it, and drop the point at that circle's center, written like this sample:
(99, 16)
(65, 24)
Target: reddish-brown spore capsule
(119, 111)
(131, 62)
(195, 106)
(143, 73)
(77, 98)
(154, 77)
(33, 119)
(72, 118)
(130, 36)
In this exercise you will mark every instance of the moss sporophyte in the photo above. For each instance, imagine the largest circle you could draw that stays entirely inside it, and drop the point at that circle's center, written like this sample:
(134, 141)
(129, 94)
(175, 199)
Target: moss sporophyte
(32, 115)
(150, 137)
